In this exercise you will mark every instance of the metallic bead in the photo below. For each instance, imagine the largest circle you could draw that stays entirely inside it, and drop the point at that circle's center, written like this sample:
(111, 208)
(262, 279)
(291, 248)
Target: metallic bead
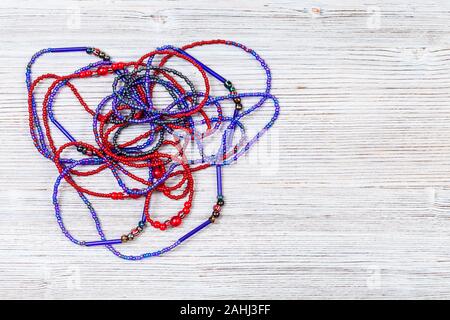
(220, 201)
(237, 100)
(124, 238)
(89, 50)
(228, 84)
(141, 224)
(130, 236)
(80, 148)
(212, 219)
(216, 214)
(101, 54)
(238, 106)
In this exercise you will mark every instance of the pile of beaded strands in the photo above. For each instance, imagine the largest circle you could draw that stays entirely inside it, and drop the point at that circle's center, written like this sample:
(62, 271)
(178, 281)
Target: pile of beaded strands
(130, 104)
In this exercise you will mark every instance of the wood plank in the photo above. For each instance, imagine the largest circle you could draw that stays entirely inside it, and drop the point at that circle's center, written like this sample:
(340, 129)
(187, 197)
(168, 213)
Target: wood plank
(351, 202)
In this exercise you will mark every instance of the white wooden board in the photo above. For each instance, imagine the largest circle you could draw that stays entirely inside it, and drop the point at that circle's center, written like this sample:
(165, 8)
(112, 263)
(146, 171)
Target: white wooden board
(353, 201)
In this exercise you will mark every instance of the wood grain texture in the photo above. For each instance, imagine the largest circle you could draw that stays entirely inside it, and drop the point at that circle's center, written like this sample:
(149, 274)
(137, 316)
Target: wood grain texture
(353, 200)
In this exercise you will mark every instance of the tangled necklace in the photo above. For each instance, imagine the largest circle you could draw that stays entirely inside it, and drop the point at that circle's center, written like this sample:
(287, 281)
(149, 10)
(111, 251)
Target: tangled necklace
(192, 116)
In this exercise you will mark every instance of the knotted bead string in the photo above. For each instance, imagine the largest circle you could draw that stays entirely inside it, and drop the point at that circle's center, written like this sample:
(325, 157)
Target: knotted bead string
(131, 104)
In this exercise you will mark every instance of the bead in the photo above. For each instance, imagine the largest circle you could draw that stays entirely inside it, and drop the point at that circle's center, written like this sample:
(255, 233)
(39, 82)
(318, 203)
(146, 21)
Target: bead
(89, 50)
(228, 84)
(220, 201)
(157, 173)
(175, 221)
(216, 214)
(130, 236)
(162, 227)
(116, 195)
(102, 71)
(124, 238)
(212, 219)
(139, 115)
(188, 204)
(141, 224)
(217, 207)
(118, 66)
(134, 232)
(186, 210)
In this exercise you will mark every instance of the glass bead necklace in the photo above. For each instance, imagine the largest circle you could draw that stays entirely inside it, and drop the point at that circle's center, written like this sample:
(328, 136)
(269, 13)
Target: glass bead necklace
(131, 104)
